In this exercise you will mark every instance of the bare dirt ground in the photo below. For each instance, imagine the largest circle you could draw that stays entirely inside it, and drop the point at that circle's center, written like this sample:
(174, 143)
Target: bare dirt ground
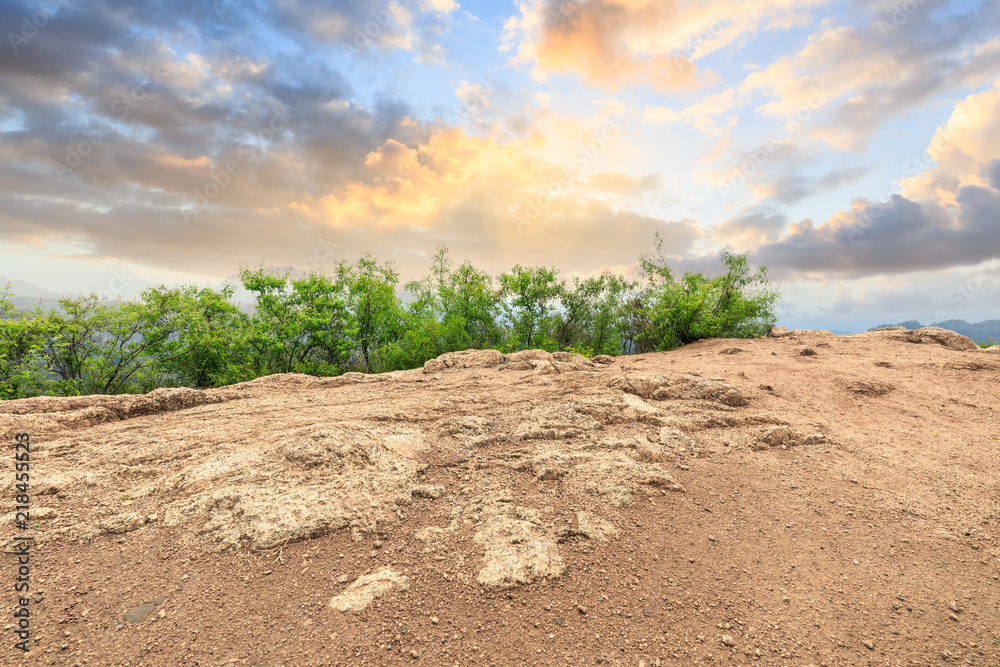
(801, 499)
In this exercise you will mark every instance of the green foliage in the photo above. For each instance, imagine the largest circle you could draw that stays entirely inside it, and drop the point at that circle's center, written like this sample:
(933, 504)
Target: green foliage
(23, 371)
(592, 313)
(299, 325)
(355, 320)
(205, 332)
(529, 296)
(670, 313)
(377, 313)
(989, 342)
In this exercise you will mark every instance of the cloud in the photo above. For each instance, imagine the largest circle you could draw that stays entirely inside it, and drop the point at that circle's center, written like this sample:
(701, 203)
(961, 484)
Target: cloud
(750, 230)
(614, 43)
(897, 236)
(945, 217)
(178, 148)
(849, 80)
(617, 183)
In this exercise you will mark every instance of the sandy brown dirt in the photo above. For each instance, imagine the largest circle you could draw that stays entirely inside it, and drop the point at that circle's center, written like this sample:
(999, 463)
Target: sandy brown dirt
(795, 500)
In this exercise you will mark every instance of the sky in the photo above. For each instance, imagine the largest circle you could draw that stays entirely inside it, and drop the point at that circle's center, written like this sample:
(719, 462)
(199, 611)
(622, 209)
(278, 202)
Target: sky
(852, 148)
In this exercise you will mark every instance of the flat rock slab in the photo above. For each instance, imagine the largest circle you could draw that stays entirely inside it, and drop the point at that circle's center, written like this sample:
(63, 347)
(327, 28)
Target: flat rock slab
(138, 614)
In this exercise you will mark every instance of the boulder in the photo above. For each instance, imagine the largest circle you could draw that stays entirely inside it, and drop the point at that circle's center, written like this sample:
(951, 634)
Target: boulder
(464, 359)
(526, 355)
(945, 337)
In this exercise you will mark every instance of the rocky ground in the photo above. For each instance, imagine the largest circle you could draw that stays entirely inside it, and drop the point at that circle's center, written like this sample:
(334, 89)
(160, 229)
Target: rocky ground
(798, 499)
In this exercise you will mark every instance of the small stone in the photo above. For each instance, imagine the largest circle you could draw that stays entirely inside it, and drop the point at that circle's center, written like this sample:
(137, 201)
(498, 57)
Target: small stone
(869, 644)
(728, 641)
(434, 620)
(806, 351)
(414, 655)
(953, 616)
(581, 609)
(711, 538)
(953, 605)
(343, 579)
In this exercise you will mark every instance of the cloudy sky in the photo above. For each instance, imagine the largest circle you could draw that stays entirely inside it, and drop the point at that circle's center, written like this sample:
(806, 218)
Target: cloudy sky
(852, 147)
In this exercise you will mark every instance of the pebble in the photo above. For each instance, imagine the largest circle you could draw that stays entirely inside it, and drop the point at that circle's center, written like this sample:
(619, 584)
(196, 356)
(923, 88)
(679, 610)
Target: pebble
(953, 605)
(728, 641)
(434, 620)
(711, 538)
(343, 579)
(581, 609)
(869, 644)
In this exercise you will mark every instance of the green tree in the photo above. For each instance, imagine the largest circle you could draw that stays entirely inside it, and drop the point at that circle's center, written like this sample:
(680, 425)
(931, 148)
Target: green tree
(591, 313)
(471, 307)
(376, 310)
(100, 347)
(23, 369)
(737, 304)
(529, 296)
(206, 344)
(299, 325)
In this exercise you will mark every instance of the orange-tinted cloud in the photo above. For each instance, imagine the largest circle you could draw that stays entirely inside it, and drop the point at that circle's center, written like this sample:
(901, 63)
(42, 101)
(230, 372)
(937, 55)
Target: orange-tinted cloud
(614, 43)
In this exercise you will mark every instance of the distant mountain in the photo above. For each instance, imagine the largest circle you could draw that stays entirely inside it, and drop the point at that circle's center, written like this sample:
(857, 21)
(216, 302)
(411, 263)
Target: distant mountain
(27, 296)
(977, 331)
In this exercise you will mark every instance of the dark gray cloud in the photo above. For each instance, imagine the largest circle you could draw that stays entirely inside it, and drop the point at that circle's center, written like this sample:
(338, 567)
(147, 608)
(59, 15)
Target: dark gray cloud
(992, 172)
(897, 236)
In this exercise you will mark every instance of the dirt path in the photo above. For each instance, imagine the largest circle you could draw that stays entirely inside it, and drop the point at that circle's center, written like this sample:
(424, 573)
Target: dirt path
(733, 502)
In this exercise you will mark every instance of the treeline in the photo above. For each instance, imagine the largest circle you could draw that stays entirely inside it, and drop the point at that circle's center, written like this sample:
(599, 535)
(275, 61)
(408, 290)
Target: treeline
(354, 320)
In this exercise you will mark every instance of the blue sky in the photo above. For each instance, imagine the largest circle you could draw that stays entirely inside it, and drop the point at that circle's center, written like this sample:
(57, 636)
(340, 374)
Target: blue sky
(851, 147)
